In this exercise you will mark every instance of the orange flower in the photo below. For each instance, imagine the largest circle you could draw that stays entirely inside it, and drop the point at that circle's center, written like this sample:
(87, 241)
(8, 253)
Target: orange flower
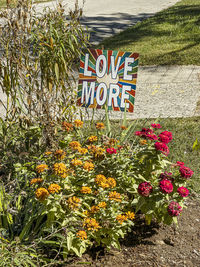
(111, 181)
(76, 162)
(88, 166)
(36, 181)
(47, 153)
(73, 202)
(100, 125)
(97, 152)
(94, 209)
(92, 138)
(91, 224)
(41, 168)
(41, 194)
(130, 215)
(123, 127)
(60, 154)
(82, 150)
(143, 142)
(54, 188)
(121, 218)
(78, 123)
(81, 234)
(102, 205)
(86, 190)
(100, 179)
(115, 196)
(67, 126)
(74, 145)
(60, 169)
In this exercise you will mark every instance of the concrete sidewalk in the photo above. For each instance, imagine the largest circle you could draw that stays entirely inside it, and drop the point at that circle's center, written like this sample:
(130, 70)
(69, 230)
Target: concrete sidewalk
(161, 91)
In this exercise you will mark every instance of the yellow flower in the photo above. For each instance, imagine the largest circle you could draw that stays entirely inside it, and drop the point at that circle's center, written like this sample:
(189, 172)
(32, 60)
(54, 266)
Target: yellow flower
(100, 125)
(111, 181)
(121, 218)
(76, 162)
(41, 193)
(74, 145)
(130, 215)
(54, 188)
(67, 126)
(47, 153)
(78, 123)
(41, 168)
(36, 181)
(86, 213)
(81, 234)
(92, 138)
(115, 196)
(82, 150)
(97, 152)
(94, 209)
(102, 205)
(60, 169)
(112, 141)
(73, 202)
(143, 142)
(91, 224)
(88, 166)
(60, 154)
(100, 179)
(86, 190)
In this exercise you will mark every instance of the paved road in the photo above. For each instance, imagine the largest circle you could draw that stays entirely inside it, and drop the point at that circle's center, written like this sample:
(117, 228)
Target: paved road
(162, 91)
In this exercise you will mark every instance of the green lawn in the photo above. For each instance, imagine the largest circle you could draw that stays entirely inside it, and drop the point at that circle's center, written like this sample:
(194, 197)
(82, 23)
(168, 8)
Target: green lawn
(172, 36)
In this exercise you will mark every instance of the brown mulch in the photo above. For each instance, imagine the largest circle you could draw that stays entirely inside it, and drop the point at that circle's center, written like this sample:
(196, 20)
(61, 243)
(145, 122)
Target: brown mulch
(154, 245)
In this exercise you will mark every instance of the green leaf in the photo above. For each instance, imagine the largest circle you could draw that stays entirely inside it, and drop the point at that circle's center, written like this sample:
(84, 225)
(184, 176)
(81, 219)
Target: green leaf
(196, 145)
(69, 241)
(56, 71)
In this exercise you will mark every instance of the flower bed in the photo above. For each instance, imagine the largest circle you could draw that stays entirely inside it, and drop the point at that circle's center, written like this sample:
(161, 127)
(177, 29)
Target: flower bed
(91, 188)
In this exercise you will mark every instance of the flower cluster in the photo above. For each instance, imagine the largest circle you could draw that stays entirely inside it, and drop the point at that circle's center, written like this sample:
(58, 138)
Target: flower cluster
(145, 189)
(166, 186)
(41, 168)
(91, 224)
(60, 169)
(174, 209)
(103, 182)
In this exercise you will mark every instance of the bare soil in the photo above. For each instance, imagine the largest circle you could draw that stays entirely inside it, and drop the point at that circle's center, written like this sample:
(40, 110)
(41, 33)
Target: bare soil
(155, 245)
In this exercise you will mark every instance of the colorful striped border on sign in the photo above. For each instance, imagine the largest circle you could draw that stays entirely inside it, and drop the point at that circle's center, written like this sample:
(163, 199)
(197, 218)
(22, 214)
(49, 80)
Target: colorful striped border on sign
(107, 77)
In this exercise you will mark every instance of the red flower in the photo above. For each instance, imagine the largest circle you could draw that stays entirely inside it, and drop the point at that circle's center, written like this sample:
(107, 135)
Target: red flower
(156, 125)
(186, 172)
(168, 134)
(111, 150)
(183, 191)
(174, 209)
(179, 163)
(145, 189)
(166, 175)
(164, 138)
(166, 186)
(162, 147)
(139, 133)
(151, 136)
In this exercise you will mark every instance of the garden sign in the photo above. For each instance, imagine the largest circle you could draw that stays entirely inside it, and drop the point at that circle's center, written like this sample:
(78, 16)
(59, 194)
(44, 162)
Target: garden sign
(108, 78)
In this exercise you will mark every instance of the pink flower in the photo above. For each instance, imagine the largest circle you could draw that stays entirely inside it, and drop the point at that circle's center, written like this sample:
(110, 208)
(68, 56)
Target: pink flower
(164, 138)
(156, 125)
(186, 172)
(111, 150)
(174, 209)
(166, 186)
(183, 191)
(147, 133)
(179, 163)
(168, 134)
(145, 189)
(162, 147)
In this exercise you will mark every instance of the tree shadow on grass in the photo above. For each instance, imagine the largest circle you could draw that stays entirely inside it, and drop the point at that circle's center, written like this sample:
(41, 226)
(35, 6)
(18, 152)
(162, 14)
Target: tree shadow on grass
(178, 24)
